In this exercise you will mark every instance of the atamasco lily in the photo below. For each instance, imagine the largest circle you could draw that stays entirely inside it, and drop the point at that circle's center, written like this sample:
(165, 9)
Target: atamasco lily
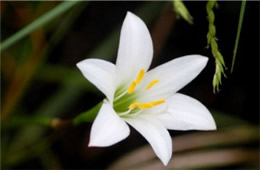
(145, 99)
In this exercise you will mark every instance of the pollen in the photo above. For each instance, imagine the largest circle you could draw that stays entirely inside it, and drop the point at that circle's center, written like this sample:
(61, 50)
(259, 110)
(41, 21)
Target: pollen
(140, 76)
(155, 103)
(133, 105)
(152, 83)
(136, 82)
(132, 87)
(145, 105)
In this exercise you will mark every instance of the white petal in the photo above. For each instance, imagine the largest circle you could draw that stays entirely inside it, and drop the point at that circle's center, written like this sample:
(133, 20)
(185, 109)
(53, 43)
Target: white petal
(156, 134)
(101, 73)
(108, 128)
(135, 49)
(186, 113)
(173, 76)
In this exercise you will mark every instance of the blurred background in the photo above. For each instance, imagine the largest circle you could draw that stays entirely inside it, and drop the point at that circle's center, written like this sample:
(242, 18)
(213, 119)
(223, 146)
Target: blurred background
(40, 85)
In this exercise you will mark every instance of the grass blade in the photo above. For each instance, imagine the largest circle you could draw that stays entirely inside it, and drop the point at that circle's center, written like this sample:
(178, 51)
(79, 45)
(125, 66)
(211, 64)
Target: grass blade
(241, 17)
(61, 8)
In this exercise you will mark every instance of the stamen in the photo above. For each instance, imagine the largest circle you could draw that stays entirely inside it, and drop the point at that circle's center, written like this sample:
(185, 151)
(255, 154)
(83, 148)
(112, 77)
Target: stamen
(151, 84)
(133, 105)
(145, 105)
(140, 76)
(155, 103)
(121, 95)
(132, 87)
(124, 113)
(136, 82)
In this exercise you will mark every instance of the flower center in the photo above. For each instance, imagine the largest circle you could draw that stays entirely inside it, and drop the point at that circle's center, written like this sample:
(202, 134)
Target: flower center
(128, 104)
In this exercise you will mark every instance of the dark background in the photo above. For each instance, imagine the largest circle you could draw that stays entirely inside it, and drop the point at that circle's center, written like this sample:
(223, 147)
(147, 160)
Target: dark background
(239, 95)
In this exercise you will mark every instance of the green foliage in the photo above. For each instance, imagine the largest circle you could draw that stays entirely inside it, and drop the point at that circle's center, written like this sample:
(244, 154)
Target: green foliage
(182, 11)
(60, 9)
(212, 42)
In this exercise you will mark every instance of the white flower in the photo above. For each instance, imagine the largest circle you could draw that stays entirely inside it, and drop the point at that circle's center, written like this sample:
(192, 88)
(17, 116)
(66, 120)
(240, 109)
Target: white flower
(146, 100)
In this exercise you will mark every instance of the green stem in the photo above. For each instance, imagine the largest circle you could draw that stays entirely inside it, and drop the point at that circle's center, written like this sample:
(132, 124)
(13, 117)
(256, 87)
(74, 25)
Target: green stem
(61, 8)
(84, 117)
(87, 116)
(242, 11)
(18, 121)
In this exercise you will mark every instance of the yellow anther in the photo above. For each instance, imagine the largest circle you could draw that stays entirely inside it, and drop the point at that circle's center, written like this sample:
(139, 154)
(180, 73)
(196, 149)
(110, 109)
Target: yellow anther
(137, 81)
(145, 105)
(140, 76)
(133, 105)
(155, 103)
(151, 84)
(132, 87)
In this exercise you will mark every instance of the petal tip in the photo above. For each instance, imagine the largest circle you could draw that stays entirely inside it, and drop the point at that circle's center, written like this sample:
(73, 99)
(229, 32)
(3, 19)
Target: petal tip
(91, 143)
(214, 127)
(165, 162)
(83, 64)
(79, 64)
(210, 127)
(130, 14)
(205, 59)
(132, 18)
(212, 124)
(97, 143)
(201, 60)
(201, 57)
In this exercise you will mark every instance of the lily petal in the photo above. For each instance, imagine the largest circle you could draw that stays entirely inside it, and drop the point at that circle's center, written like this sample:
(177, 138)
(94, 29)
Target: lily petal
(108, 128)
(173, 76)
(156, 134)
(101, 73)
(135, 49)
(186, 113)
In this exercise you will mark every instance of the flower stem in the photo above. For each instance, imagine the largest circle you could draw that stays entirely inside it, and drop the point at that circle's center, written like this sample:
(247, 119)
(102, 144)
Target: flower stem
(87, 116)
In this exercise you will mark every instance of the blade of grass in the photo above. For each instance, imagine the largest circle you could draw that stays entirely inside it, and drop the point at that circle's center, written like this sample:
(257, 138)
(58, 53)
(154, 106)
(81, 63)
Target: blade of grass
(241, 17)
(61, 8)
